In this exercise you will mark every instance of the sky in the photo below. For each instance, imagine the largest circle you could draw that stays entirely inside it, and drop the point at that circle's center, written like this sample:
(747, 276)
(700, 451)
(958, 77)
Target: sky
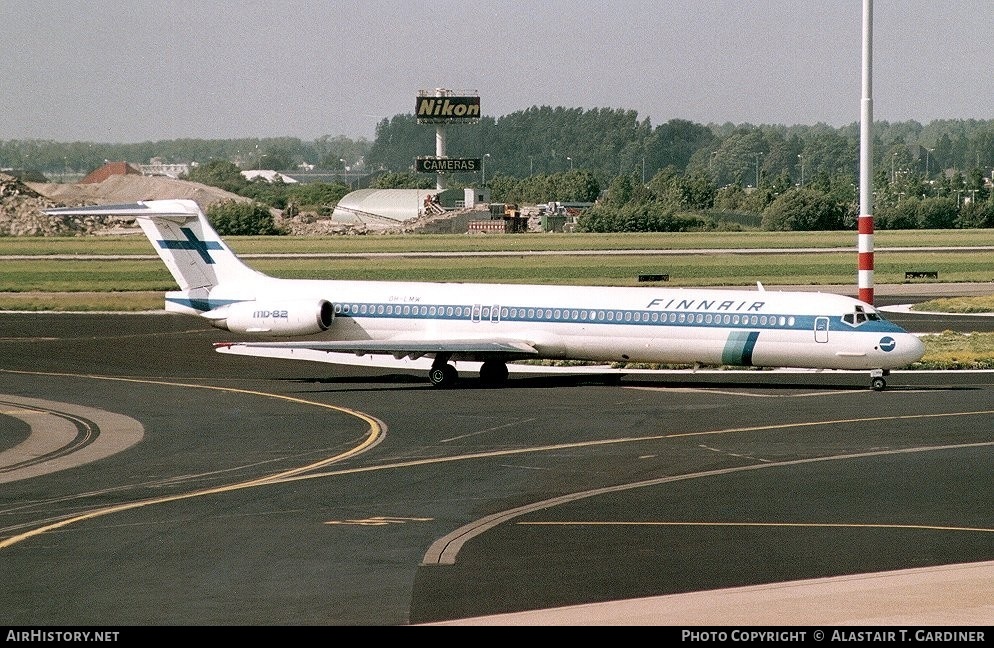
(132, 71)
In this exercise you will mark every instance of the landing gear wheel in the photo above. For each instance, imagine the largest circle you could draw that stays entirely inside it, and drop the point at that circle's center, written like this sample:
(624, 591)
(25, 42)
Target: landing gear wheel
(877, 382)
(443, 376)
(493, 373)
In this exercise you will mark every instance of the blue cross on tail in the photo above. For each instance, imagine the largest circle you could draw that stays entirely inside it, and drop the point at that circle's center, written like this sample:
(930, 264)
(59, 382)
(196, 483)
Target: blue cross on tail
(192, 243)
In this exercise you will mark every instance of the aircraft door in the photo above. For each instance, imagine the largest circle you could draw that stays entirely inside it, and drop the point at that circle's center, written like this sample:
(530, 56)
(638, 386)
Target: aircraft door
(494, 314)
(477, 310)
(821, 329)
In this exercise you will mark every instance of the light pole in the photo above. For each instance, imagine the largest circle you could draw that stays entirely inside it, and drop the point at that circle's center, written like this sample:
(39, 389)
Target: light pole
(757, 169)
(531, 165)
(345, 166)
(927, 151)
(485, 169)
(570, 163)
(893, 176)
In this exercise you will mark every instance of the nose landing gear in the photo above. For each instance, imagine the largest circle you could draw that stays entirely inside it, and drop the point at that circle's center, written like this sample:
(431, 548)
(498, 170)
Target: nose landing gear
(877, 382)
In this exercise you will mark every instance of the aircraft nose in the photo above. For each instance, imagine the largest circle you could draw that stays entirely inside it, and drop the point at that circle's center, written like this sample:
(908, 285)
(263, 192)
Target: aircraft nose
(899, 349)
(911, 348)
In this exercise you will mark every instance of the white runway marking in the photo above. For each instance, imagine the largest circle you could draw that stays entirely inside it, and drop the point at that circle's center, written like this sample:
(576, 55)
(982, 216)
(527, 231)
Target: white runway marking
(53, 428)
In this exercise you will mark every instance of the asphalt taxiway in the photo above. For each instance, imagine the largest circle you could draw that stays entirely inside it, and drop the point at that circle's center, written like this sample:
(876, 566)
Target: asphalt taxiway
(149, 480)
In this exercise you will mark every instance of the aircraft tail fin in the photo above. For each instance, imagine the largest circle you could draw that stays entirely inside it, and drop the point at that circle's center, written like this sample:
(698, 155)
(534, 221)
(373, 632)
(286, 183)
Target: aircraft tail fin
(186, 242)
(183, 238)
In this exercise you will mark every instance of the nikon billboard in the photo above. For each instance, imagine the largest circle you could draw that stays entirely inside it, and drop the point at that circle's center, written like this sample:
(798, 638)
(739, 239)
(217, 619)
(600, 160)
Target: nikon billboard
(446, 165)
(447, 110)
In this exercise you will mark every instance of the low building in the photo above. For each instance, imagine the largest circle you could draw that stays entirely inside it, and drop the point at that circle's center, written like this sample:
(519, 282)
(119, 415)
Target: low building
(378, 207)
(110, 169)
(156, 167)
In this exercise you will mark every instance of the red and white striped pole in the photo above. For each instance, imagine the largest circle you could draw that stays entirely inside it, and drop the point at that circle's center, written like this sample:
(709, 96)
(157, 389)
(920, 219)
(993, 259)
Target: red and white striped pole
(866, 258)
(865, 221)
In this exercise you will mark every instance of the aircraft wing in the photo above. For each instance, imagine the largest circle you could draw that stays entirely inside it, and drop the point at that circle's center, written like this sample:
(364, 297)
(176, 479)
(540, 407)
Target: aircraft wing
(458, 348)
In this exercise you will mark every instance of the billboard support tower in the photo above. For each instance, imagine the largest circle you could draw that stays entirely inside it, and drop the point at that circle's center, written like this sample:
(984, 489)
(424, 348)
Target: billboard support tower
(440, 183)
(443, 107)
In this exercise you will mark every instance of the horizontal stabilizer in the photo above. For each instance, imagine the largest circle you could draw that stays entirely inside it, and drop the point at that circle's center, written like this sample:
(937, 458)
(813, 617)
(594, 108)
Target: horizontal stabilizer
(185, 209)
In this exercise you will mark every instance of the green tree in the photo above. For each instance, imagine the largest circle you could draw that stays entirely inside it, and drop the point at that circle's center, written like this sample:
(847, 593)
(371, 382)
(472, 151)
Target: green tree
(731, 198)
(620, 192)
(317, 194)
(279, 158)
(408, 180)
(976, 214)
(643, 216)
(935, 213)
(219, 173)
(802, 210)
(896, 215)
(235, 218)
(576, 186)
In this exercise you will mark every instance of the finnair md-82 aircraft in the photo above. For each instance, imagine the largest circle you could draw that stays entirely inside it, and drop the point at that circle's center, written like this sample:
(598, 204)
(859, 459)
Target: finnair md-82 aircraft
(495, 323)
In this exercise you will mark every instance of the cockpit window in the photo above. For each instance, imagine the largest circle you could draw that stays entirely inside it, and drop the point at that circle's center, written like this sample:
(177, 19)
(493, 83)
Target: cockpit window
(860, 315)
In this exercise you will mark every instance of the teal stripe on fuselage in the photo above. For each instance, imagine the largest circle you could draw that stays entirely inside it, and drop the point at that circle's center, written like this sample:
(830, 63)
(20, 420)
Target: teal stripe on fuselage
(738, 348)
(202, 305)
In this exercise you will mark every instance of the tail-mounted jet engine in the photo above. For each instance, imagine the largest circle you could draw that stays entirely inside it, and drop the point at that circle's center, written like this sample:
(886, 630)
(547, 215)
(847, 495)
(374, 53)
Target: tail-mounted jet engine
(288, 318)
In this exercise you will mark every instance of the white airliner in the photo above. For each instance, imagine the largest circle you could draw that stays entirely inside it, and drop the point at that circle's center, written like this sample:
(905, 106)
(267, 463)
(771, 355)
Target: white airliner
(494, 324)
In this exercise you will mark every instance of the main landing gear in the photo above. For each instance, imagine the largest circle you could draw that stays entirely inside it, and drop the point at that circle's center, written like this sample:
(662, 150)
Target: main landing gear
(442, 374)
(877, 382)
(493, 373)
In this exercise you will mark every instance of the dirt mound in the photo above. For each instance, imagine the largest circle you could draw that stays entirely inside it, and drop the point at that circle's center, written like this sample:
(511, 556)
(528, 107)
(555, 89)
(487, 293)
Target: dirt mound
(131, 188)
(21, 211)
(21, 203)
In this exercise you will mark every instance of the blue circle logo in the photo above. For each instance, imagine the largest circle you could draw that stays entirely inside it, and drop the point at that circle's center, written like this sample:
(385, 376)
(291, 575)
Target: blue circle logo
(887, 344)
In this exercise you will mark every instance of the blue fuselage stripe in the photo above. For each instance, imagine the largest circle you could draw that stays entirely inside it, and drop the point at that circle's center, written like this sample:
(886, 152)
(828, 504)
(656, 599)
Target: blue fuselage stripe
(746, 325)
(599, 316)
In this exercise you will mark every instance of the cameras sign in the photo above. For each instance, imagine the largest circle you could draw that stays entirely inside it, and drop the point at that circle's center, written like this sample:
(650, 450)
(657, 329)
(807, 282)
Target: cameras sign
(446, 165)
